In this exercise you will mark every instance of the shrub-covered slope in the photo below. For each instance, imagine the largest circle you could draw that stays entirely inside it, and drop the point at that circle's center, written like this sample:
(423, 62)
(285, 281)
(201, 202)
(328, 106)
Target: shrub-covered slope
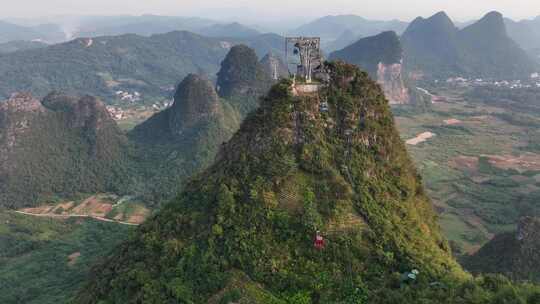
(45, 261)
(60, 146)
(243, 229)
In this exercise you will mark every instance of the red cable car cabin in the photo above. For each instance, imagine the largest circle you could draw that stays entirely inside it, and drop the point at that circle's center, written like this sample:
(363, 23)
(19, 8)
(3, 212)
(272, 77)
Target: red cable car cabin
(319, 241)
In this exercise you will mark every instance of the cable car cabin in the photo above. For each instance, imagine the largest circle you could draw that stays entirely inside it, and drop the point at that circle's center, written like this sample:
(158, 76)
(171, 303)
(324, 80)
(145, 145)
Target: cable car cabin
(319, 242)
(323, 107)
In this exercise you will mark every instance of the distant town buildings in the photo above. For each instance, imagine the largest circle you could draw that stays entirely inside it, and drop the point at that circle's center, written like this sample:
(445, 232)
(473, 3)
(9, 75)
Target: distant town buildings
(128, 97)
(123, 112)
(533, 82)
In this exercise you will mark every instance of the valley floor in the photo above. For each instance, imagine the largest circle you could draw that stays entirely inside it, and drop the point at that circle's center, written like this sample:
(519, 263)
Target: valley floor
(477, 163)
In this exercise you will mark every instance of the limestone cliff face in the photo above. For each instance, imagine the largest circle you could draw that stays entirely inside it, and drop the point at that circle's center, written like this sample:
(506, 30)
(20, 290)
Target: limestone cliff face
(16, 115)
(390, 77)
(381, 56)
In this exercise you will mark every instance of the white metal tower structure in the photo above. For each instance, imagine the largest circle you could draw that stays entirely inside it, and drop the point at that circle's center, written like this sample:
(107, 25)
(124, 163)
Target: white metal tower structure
(308, 50)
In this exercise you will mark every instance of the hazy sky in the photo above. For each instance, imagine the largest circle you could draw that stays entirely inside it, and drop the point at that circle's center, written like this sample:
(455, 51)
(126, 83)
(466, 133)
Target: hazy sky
(272, 10)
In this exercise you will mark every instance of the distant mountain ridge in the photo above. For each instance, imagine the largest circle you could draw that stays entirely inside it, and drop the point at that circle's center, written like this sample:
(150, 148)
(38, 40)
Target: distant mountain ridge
(47, 33)
(101, 66)
(145, 25)
(368, 52)
(20, 45)
(434, 46)
(526, 33)
(337, 31)
(233, 30)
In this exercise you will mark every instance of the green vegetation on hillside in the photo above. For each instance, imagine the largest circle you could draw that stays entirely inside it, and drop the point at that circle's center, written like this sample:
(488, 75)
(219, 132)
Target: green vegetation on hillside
(178, 142)
(45, 261)
(71, 145)
(242, 79)
(57, 148)
(243, 230)
(103, 65)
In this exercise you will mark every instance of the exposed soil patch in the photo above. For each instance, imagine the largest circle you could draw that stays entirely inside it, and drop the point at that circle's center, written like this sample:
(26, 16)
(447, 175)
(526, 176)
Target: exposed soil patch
(93, 206)
(72, 258)
(420, 138)
(522, 163)
(452, 121)
(139, 216)
(465, 163)
(480, 119)
(38, 210)
(96, 207)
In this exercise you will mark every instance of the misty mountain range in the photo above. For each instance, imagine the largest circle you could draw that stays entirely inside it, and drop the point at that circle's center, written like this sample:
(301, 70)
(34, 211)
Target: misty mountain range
(331, 29)
(148, 53)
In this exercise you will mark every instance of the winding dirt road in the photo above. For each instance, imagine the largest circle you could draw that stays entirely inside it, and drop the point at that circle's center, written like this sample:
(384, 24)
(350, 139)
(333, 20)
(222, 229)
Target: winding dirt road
(64, 216)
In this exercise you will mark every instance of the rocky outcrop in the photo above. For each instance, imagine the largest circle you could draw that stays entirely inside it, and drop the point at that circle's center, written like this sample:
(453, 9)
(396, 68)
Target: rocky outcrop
(81, 112)
(16, 115)
(390, 77)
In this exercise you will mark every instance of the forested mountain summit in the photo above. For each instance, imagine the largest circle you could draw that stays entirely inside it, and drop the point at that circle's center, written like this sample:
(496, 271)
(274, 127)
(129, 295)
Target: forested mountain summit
(244, 229)
(59, 146)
